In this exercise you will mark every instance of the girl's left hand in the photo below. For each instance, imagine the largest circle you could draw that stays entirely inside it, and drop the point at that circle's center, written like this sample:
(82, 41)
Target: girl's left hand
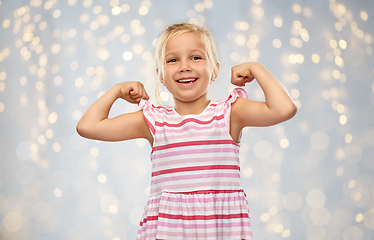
(240, 74)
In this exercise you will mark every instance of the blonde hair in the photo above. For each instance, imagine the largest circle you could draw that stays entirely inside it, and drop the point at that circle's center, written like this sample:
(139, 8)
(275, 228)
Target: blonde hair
(178, 29)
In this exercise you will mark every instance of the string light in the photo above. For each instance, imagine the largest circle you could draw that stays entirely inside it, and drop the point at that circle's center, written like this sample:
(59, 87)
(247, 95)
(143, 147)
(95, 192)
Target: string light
(66, 59)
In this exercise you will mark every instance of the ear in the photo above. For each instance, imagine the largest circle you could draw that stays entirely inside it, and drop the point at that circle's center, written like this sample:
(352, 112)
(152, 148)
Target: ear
(218, 66)
(160, 77)
(215, 72)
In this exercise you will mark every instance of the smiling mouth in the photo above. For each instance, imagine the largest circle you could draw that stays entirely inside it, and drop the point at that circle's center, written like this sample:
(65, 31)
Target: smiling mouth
(187, 80)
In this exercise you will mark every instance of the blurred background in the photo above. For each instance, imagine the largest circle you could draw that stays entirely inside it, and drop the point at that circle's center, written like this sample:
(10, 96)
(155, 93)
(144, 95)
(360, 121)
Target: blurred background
(309, 178)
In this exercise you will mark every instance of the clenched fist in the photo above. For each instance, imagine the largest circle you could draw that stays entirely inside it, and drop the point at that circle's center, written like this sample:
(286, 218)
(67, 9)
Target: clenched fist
(133, 91)
(240, 74)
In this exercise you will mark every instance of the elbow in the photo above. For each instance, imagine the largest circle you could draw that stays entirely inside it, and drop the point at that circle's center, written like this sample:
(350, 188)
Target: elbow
(289, 111)
(82, 129)
(283, 113)
(79, 128)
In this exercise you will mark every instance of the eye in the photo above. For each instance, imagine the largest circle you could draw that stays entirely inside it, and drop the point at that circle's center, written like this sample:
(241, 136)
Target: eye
(171, 60)
(196, 58)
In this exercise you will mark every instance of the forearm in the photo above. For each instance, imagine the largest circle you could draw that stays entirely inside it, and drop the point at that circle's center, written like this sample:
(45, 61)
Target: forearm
(276, 95)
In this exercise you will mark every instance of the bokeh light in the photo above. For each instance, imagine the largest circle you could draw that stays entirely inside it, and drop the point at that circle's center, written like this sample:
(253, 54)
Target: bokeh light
(308, 178)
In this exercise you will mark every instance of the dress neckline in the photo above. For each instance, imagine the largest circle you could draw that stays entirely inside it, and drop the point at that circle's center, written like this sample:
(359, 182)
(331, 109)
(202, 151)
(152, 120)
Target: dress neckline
(186, 115)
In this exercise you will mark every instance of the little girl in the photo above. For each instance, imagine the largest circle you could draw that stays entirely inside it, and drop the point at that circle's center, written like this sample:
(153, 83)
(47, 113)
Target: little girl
(196, 191)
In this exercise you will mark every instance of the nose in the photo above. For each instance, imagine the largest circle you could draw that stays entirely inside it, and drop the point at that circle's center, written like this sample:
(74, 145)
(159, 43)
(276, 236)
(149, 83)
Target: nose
(185, 66)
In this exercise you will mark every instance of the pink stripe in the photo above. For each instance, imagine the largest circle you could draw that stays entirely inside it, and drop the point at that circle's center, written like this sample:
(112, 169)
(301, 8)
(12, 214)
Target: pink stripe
(205, 193)
(237, 196)
(241, 92)
(197, 176)
(194, 186)
(204, 235)
(182, 217)
(210, 108)
(194, 225)
(202, 226)
(188, 120)
(195, 168)
(162, 108)
(238, 204)
(142, 234)
(184, 161)
(174, 119)
(194, 143)
(194, 151)
(242, 207)
(197, 210)
(191, 127)
(183, 135)
(150, 125)
(202, 217)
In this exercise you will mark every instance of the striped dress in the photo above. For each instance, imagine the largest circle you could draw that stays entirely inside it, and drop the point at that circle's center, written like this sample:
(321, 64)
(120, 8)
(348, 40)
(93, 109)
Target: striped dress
(196, 191)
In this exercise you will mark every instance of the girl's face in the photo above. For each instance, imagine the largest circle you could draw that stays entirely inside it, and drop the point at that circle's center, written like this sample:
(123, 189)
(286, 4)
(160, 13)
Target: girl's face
(187, 72)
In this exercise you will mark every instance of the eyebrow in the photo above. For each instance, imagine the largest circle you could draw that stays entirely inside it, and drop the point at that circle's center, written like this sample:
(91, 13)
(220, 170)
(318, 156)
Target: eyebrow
(192, 50)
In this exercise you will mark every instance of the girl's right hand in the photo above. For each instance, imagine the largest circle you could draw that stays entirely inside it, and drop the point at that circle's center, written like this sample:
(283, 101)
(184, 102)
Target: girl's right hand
(95, 123)
(132, 91)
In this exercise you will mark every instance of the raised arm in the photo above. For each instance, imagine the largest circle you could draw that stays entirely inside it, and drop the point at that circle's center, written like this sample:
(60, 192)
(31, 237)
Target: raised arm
(278, 105)
(95, 123)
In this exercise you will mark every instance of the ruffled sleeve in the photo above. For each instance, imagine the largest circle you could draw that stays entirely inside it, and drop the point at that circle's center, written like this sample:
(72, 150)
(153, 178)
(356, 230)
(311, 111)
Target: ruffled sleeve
(237, 92)
(149, 114)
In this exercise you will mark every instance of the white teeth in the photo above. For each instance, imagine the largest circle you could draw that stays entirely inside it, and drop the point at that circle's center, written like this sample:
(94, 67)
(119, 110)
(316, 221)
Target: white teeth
(186, 80)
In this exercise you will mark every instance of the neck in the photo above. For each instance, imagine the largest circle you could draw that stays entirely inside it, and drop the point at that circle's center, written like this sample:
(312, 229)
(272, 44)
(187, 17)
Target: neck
(194, 107)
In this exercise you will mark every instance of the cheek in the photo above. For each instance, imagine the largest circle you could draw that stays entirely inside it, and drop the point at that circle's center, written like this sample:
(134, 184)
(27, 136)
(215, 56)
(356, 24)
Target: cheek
(169, 71)
(164, 73)
(209, 71)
